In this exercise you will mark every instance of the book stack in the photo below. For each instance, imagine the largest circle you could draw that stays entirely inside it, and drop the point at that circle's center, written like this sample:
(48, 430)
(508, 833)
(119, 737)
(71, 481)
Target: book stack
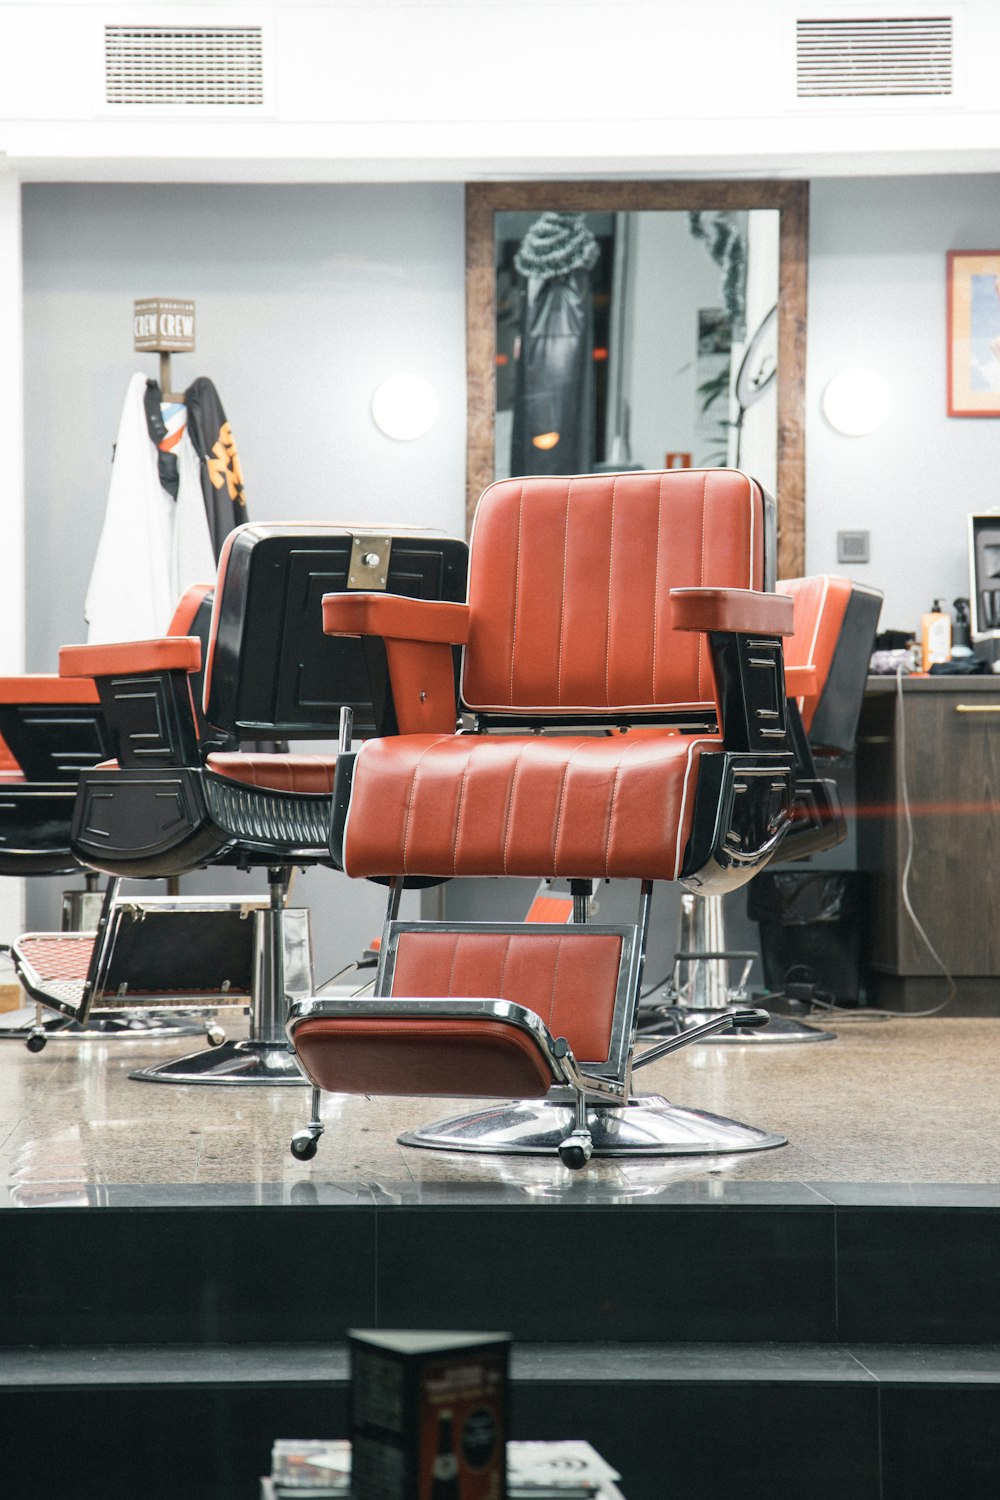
(308, 1469)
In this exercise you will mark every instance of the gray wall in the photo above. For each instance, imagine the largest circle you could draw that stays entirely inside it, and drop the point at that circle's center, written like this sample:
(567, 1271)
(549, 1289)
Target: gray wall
(306, 298)
(877, 298)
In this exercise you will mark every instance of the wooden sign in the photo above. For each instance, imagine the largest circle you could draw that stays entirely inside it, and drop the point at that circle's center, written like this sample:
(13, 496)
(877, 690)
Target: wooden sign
(163, 325)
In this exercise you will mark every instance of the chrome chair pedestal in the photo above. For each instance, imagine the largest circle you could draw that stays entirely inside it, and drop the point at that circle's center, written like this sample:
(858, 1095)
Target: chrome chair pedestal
(282, 972)
(707, 989)
(648, 1125)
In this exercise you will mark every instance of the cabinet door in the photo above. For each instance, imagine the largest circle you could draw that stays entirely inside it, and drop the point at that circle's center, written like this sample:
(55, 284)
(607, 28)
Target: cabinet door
(953, 785)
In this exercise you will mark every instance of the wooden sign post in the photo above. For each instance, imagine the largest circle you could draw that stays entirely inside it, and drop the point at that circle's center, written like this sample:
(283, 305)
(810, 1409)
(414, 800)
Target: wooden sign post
(163, 326)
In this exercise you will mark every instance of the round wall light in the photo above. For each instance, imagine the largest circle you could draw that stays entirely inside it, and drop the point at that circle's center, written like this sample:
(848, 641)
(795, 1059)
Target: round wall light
(405, 407)
(856, 402)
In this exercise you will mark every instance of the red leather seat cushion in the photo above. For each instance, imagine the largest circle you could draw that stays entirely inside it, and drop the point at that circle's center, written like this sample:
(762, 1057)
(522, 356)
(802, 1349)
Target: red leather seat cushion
(486, 1059)
(601, 806)
(310, 775)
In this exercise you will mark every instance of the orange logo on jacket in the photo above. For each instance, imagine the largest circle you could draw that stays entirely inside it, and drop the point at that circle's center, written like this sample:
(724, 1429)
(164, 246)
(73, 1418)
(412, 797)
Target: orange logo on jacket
(225, 468)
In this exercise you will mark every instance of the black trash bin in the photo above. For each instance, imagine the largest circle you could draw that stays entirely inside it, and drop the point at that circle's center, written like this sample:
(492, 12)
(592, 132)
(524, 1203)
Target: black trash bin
(810, 933)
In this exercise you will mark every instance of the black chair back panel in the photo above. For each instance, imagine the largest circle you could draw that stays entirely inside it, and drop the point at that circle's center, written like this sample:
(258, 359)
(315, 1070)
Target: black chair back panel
(835, 723)
(54, 742)
(275, 674)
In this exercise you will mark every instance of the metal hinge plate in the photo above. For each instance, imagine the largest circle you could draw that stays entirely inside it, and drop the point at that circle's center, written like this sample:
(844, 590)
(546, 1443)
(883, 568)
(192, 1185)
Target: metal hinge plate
(369, 565)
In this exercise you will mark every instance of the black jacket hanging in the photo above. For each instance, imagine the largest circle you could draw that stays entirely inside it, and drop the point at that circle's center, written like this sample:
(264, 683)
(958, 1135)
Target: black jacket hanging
(221, 472)
(553, 429)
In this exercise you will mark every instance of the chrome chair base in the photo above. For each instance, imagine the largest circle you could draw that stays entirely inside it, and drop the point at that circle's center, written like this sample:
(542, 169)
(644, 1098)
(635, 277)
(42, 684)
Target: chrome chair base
(648, 1125)
(103, 1026)
(234, 1063)
(673, 1020)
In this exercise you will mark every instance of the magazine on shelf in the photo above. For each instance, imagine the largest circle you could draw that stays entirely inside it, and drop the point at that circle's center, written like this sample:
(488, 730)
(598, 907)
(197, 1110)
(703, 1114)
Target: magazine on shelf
(315, 1469)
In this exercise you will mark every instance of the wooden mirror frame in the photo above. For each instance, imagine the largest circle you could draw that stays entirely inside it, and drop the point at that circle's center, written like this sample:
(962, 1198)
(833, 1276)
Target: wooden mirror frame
(791, 199)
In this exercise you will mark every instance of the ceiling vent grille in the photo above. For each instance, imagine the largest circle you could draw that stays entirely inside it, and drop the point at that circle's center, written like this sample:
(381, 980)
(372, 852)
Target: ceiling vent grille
(883, 58)
(184, 65)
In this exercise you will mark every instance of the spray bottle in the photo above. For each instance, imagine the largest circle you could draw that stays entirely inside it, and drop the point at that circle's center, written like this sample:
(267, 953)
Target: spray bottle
(935, 636)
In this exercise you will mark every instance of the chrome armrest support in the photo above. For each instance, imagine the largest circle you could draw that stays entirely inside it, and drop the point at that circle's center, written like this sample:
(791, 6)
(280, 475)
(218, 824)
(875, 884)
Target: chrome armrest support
(734, 1017)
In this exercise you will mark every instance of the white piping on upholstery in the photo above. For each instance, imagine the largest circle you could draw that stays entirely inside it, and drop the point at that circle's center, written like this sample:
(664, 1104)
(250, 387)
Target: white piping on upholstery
(684, 793)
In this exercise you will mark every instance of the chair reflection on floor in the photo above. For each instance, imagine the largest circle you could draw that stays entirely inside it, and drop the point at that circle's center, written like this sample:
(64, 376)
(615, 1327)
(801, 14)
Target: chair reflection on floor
(622, 667)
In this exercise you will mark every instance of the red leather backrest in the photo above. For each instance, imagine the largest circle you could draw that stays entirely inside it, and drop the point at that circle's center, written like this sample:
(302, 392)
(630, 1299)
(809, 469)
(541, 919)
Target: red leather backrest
(188, 606)
(569, 583)
(220, 584)
(820, 605)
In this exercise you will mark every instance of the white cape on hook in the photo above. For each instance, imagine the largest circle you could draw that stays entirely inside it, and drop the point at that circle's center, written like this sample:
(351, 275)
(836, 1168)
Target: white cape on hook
(152, 547)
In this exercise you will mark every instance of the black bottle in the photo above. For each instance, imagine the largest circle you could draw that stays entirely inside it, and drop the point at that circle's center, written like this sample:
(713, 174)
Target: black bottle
(444, 1474)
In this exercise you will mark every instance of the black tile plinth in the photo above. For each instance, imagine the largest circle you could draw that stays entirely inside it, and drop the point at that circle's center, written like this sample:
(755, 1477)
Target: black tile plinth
(218, 1275)
(940, 1440)
(611, 1273)
(918, 1275)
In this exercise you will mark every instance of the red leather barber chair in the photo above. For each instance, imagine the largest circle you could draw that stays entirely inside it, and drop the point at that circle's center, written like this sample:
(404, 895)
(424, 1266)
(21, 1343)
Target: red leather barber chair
(622, 674)
(175, 800)
(53, 728)
(826, 668)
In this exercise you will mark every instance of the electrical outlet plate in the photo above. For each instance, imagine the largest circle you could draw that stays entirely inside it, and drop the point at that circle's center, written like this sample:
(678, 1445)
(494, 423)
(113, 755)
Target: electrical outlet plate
(852, 546)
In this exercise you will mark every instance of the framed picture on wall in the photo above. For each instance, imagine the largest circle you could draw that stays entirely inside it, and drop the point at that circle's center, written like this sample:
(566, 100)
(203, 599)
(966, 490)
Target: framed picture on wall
(974, 333)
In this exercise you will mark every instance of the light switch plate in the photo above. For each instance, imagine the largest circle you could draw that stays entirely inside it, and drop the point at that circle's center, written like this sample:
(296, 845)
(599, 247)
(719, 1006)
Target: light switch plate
(852, 546)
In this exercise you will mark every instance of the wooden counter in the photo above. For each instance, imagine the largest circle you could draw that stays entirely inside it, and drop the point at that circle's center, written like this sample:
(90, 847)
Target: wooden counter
(950, 774)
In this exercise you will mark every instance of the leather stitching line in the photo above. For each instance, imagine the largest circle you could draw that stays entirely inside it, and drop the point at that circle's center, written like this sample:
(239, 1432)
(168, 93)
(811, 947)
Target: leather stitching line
(410, 800)
(510, 806)
(611, 806)
(562, 798)
(555, 978)
(562, 601)
(458, 810)
(517, 592)
(656, 585)
(607, 628)
(454, 960)
(503, 966)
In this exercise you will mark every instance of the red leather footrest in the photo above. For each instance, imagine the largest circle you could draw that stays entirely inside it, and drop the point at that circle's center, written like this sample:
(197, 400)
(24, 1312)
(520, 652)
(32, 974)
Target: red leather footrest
(458, 1058)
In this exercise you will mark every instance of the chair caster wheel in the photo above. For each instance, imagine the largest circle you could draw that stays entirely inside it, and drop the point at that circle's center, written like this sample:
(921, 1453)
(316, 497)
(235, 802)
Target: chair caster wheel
(215, 1036)
(36, 1041)
(304, 1145)
(576, 1150)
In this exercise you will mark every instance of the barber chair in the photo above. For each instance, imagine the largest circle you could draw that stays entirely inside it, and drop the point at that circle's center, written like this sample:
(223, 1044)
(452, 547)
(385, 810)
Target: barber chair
(174, 800)
(826, 668)
(622, 677)
(53, 728)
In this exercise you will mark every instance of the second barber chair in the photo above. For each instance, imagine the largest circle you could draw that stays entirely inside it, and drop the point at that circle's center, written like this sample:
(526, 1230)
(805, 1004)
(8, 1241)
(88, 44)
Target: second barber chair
(826, 669)
(53, 728)
(174, 801)
(622, 677)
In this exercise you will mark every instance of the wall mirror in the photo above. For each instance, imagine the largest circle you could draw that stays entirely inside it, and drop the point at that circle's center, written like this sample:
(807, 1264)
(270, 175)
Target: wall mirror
(639, 325)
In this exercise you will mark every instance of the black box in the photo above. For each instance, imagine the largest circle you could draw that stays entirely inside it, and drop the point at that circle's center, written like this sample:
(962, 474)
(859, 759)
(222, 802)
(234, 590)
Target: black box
(428, 1415)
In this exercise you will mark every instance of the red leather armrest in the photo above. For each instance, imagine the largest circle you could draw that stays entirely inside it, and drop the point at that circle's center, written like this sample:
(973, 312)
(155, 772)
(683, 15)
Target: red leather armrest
(46, 688)
(800, 682)
(744, 611)
(436, 621)
(418, 635)
(180, 653)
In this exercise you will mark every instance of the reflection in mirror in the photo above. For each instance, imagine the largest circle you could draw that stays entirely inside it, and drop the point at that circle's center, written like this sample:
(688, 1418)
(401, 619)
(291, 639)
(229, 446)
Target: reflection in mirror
(636, 340)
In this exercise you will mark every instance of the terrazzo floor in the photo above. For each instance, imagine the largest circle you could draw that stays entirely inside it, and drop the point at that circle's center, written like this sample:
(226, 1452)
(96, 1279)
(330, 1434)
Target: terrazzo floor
(889, 1110)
